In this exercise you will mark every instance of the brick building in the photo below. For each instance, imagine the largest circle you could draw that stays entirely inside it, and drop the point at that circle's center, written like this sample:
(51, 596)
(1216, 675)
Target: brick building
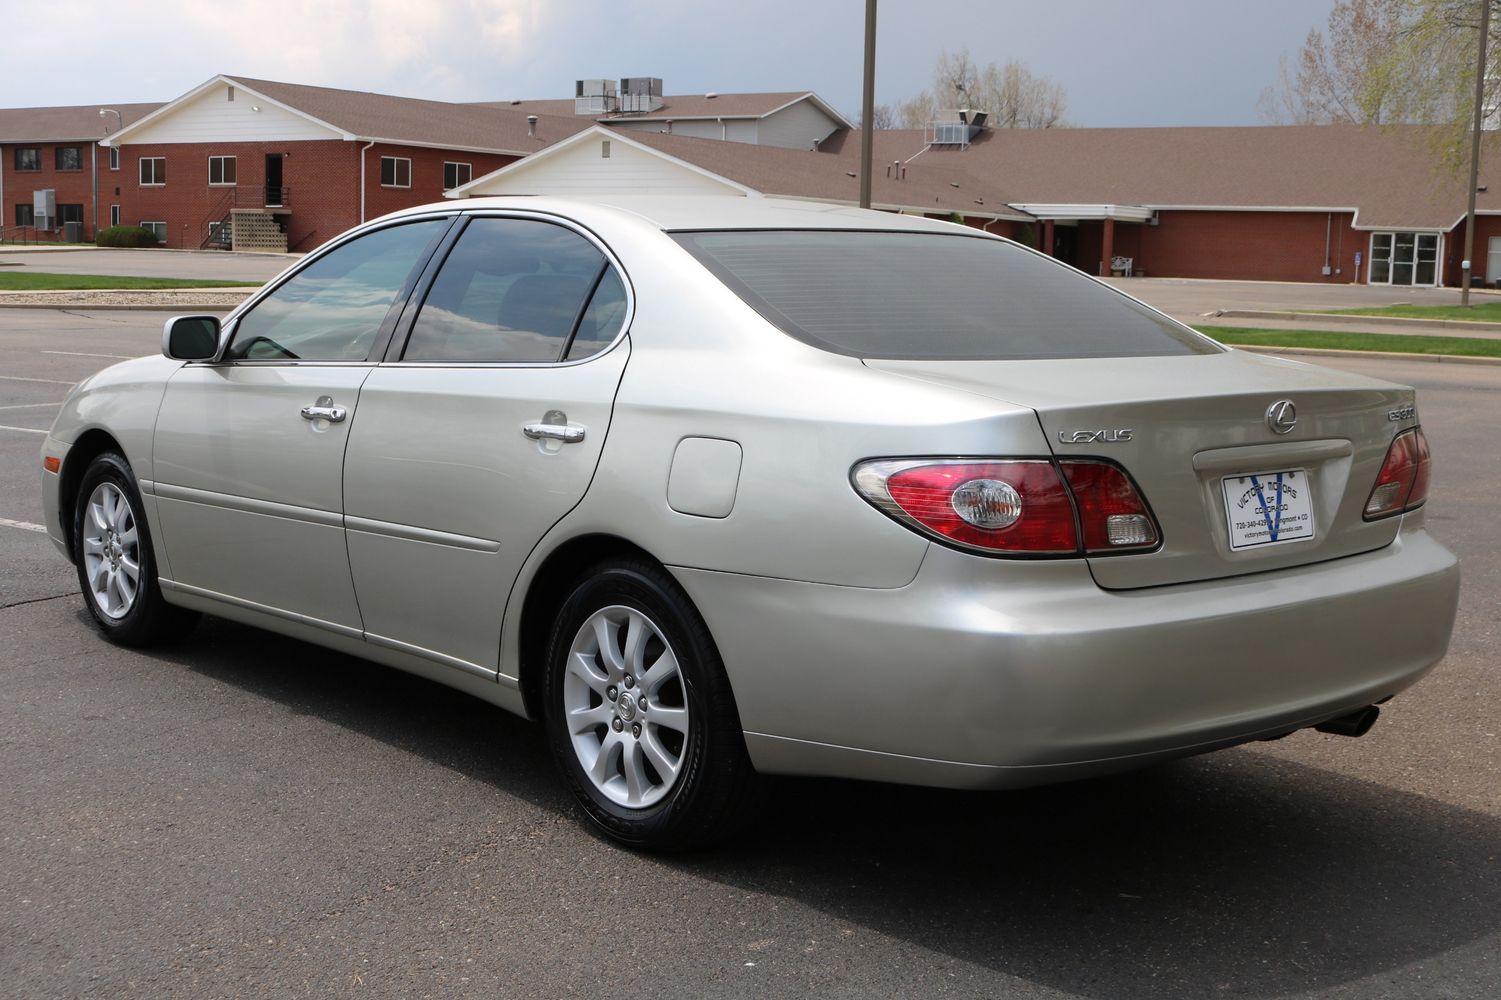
(58, 150)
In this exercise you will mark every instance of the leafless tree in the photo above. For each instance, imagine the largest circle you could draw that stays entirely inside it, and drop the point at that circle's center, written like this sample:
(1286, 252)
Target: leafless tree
(1341, 76)
(1013, 95)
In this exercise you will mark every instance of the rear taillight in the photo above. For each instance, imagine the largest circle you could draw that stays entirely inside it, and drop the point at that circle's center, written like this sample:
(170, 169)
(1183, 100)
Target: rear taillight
(1402, 483)
(1012, 506)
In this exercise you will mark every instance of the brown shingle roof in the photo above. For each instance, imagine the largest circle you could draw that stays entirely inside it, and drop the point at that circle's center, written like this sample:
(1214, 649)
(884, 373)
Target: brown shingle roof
(1389, 175)
(82, 122)
(417, 121)
(834, 175)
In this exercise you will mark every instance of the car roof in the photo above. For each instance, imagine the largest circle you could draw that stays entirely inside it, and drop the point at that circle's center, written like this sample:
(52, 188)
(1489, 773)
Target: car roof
(711, 212)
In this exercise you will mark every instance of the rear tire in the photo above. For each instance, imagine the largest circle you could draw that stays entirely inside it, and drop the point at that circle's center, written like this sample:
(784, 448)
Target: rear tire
(116, 564)
(639, 712)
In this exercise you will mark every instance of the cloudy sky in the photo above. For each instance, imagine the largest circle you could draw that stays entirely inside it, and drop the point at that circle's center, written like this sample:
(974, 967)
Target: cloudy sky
(1145, 62)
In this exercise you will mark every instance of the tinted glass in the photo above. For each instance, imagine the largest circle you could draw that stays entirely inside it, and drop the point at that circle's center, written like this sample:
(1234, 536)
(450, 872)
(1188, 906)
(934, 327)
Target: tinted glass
(601, 321)
(510, 291)
(932, 296)
(332, 309)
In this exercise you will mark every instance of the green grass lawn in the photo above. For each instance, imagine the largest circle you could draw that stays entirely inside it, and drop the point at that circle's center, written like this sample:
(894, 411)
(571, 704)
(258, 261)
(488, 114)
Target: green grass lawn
(1344, 341)
(42, 282)
(1486, 310)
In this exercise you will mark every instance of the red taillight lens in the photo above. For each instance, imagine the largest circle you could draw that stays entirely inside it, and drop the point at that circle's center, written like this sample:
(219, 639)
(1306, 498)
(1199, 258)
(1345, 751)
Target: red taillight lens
(1112, 515)
(1018, 507)
(1402, 483)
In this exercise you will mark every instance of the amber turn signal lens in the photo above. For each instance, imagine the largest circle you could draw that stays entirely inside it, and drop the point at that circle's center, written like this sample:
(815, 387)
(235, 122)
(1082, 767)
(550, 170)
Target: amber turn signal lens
(52, 464)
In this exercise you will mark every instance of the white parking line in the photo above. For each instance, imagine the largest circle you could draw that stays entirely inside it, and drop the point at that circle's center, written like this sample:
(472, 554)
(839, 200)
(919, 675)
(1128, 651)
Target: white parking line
(85, 354)
(28, 406)
(22, 430)
(49, 381)
(6, 522)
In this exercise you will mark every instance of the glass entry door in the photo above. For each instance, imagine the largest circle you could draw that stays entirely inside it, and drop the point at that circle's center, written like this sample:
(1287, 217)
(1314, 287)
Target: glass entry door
(1404, 259)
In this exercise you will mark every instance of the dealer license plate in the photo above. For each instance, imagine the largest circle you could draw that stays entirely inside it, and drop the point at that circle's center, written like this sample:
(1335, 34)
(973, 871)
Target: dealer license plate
(1268, 508)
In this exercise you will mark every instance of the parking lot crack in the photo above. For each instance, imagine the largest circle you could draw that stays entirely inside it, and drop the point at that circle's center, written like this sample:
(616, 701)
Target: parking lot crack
(34, 600)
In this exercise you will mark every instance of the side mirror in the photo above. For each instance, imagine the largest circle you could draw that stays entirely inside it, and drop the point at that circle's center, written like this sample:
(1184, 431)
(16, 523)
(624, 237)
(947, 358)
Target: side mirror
(191, 338)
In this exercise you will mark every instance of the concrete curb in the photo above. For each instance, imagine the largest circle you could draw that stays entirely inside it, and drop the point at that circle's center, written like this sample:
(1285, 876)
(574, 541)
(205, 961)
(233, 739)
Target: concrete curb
(1347, 319)
(1329, 352)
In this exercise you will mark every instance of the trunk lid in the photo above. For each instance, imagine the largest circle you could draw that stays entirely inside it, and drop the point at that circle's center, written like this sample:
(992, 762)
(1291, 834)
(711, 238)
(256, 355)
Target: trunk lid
(1195, 421)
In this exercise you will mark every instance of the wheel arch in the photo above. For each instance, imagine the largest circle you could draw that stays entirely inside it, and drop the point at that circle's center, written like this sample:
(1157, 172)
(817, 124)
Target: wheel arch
(546, 591)
(88, 446)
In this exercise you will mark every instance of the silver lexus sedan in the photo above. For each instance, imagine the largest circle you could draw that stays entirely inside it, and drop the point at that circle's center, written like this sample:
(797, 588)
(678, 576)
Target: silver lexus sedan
(716, 487)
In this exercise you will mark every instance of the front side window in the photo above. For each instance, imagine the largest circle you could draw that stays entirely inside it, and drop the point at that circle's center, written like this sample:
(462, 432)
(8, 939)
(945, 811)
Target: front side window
(70, 213)
(153, 170)
(455, 174)
(512, 290)
(932, 296)
(159, 228)
(221, 170)
(28, 158)
(395, 171)
(114, 215)
(333, 309)
(25, 215)
(114, 157)
(69, 158)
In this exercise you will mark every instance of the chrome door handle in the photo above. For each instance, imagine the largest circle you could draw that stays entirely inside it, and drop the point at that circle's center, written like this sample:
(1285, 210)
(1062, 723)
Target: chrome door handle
(325, 409)
(566, 433)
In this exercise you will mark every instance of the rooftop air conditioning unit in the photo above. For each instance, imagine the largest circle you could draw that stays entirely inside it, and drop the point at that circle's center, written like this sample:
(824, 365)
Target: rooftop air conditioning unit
(595, 97)
(641, 93)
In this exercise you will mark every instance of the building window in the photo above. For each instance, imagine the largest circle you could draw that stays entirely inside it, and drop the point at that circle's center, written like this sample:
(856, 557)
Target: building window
(221, 170)
(395, 171)
(28, 158)
(153, 171)
(114, 215)
(114, 157)
(159, 228)
(231, 94)
(455, 174)
(69, 157)
(25, 215)
(70, 213)
(1403, 259)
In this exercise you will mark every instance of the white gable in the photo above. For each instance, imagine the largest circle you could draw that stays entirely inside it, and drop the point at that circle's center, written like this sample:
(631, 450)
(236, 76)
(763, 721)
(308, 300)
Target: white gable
(212, 117)
(579, 167)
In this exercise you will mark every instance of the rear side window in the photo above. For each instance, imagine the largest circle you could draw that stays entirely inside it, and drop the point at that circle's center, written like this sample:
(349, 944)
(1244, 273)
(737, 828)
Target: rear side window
(930, 296)
(332, 309)
(515, 290)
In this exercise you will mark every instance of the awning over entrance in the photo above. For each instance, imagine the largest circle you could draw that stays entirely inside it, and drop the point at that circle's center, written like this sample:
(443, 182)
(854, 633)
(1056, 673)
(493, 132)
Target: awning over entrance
(1072, 214)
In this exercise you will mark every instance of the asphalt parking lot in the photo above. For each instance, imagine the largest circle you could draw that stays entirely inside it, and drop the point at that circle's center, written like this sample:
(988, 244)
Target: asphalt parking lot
(245, 815)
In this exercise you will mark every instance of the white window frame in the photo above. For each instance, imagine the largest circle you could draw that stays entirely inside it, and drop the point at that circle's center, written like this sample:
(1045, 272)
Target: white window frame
(1438, 258)
(141, 171)
(221, 182)
(468, 172)
(396, 162)
(114, 215)
(161, 234)
(114, 157)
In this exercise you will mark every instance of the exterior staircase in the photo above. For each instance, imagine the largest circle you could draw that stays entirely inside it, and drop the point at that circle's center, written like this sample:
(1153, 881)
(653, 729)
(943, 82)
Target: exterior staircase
(256, 229)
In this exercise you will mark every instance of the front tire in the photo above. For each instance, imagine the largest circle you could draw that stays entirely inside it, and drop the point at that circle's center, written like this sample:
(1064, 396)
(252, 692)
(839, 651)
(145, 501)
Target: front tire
(639, 712)
(116, 565)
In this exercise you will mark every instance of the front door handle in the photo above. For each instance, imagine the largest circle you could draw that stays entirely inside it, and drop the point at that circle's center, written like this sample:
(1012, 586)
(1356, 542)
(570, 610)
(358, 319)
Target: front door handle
(566, 433)
(325, 409)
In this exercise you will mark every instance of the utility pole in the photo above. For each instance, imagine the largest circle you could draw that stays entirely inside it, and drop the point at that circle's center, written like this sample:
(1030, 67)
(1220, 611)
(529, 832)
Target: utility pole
(1468, 266)
(868, 102)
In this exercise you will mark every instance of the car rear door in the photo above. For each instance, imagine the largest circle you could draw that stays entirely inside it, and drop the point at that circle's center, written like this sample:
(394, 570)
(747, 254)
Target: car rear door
(249, 449)
(480, 431)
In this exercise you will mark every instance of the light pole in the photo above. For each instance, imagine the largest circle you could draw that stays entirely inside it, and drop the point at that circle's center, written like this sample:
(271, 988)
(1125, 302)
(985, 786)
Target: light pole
(1468, 267)
(868, 103)
(119, 121)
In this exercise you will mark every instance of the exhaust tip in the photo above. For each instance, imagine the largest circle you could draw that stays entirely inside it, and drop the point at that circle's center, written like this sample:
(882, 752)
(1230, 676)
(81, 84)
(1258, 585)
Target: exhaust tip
(1357, 723)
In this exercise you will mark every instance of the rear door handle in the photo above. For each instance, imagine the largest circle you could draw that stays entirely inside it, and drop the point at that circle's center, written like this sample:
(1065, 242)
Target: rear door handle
(566, 433)
(325, 409)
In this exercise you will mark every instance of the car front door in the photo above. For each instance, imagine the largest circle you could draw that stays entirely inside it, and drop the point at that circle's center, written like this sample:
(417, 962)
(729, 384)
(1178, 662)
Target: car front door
(249, 449)
(480, 432)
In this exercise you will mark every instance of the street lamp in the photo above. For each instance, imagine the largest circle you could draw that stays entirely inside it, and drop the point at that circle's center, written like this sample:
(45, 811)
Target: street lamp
(119, 120)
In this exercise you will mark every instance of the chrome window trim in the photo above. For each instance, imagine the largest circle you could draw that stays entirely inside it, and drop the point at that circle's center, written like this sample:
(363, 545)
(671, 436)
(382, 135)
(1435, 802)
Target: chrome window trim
(554, 219)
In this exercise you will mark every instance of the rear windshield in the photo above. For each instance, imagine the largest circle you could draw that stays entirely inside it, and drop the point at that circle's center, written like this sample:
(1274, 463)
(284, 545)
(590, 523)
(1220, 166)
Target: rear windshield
(932, 296)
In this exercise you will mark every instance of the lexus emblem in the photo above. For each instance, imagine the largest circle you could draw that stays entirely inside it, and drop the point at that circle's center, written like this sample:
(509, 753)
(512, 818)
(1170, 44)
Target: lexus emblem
(1282, 416)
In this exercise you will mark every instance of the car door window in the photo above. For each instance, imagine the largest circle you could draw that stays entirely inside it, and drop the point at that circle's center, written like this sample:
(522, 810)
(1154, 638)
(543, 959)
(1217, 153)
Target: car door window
(512, 290)
(602, 319)
(332, 309)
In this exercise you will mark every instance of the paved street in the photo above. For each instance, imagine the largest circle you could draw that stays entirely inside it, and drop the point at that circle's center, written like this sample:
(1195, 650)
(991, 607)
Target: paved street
(244, 815)
(146, 263)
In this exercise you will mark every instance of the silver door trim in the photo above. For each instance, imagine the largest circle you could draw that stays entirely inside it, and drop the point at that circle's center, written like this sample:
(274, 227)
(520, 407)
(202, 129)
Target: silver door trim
(428, 654)
(248, 505)
(412, 533)
(240, 602)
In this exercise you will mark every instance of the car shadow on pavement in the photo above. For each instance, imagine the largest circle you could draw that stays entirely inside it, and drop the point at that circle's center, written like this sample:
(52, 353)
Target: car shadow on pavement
(1237, 873)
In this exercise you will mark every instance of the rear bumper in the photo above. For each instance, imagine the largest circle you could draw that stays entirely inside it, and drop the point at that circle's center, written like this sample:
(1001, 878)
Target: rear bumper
(983, 673)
